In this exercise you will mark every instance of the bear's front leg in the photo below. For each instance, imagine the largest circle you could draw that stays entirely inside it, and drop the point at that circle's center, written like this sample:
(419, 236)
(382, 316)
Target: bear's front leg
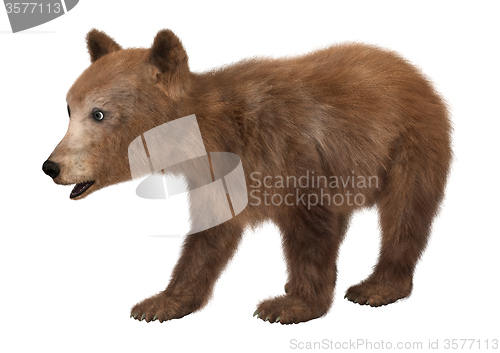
(311, 249)
(204, 256)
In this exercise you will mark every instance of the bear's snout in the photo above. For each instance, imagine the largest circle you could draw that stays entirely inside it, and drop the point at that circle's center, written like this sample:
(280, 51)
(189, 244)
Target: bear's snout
(51, 169)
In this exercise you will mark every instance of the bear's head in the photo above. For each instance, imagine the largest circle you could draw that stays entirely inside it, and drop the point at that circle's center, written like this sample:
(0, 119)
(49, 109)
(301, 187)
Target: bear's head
(122, 94)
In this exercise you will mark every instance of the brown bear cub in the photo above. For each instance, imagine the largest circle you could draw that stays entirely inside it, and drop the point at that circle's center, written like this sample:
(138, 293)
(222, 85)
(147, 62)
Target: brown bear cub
(350, 120)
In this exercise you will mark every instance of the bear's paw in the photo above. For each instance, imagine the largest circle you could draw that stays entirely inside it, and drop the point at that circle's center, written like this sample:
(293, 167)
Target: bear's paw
(287, 309)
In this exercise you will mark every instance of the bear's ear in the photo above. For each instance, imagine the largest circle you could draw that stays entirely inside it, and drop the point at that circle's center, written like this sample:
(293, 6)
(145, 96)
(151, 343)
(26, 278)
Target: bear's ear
(168, 54)
(100, 44)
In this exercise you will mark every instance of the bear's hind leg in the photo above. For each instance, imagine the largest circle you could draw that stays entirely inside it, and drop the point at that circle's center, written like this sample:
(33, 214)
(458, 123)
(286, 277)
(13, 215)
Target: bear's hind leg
(410, 197)
(311, 253)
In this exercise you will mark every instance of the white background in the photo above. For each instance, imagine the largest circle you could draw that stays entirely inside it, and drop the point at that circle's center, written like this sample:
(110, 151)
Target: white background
(70, 271)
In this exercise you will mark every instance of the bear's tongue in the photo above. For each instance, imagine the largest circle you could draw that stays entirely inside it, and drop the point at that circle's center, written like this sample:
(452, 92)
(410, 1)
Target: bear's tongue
(80, 188)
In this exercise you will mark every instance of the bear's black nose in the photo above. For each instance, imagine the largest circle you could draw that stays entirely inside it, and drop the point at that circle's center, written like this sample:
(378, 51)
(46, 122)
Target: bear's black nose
(51, 169)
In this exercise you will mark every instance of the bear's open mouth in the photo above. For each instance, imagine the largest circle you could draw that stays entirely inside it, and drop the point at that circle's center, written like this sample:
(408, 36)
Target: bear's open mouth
(80, 188)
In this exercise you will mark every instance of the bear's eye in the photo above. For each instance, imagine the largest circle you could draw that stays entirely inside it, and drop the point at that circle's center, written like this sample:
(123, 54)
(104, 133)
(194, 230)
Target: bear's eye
(98, 114)
(69, 112)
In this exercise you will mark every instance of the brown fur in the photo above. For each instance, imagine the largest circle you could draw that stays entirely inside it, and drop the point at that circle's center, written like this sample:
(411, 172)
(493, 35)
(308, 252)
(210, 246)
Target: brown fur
(348, 109)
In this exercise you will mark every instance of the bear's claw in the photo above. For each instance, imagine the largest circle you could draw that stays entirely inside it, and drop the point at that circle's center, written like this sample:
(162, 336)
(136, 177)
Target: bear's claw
(357, 300)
